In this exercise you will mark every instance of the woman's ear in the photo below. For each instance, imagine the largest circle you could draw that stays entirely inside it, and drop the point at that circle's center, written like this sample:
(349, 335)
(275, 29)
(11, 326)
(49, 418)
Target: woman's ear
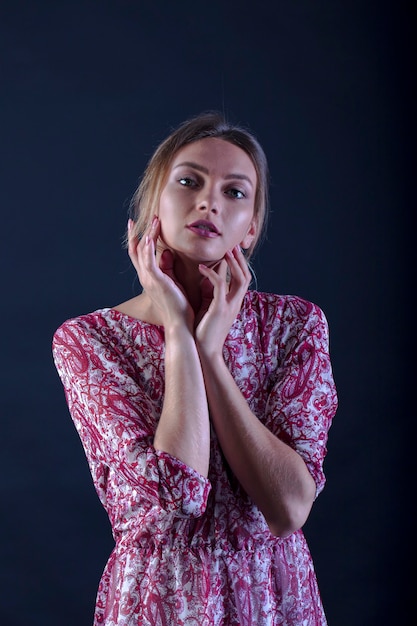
(250, 235)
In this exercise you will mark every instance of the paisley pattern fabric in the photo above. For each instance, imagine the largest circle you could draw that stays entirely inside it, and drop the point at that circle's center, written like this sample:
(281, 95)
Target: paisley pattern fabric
(191, 551)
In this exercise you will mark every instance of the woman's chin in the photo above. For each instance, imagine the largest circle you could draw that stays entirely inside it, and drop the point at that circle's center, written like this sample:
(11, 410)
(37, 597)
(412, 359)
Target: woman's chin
(213, 264)
(193, 258)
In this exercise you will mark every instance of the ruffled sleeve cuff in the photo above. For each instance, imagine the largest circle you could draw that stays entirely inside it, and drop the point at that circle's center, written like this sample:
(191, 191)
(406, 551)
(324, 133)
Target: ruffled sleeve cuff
(181, 488)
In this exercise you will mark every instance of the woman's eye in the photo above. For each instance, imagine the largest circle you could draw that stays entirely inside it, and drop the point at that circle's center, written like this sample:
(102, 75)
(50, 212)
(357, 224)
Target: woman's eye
(186, 181)
(236, 193)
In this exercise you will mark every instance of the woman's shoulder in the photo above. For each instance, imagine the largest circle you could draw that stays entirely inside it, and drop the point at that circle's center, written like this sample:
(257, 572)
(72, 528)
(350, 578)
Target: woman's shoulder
(283, 321)
(108, 329)
(93, 320)
(272, 306)
(105, 325)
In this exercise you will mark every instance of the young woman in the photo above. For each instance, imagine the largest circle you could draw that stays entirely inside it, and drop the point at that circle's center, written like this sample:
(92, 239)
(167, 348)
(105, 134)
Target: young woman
(203, 407)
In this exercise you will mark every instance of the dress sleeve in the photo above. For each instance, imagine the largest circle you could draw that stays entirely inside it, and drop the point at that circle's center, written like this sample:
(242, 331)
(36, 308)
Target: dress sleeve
(303, 399)
(116, 421)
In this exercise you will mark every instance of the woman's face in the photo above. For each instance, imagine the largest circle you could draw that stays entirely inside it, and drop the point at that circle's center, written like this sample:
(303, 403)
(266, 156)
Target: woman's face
(207, 204)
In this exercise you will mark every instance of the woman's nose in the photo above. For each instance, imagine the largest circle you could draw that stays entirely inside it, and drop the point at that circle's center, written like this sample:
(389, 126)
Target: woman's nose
(209, 201)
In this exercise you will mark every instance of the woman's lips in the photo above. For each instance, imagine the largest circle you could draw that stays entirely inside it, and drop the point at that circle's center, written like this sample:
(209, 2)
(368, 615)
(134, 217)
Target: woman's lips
(204, 229)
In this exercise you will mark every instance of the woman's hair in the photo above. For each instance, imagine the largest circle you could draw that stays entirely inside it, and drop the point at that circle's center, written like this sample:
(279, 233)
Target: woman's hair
(145, 201)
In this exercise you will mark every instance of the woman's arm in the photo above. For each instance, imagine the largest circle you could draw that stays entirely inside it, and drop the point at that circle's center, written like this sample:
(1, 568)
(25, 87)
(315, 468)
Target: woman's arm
(115, 418)
(184, 428)
(273, 474)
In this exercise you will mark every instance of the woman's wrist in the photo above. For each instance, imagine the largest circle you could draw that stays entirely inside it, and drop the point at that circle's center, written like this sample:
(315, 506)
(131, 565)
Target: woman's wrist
(178, 332)
(210, 357)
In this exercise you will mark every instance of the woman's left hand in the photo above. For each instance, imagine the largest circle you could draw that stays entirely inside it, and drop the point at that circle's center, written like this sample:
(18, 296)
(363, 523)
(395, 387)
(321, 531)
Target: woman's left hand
(221, 301)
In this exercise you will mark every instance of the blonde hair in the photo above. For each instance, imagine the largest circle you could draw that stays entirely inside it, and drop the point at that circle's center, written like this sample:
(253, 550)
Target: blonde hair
(212, 124)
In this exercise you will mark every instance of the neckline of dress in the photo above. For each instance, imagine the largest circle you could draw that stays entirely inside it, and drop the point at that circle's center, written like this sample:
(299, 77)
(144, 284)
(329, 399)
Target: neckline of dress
(120, 315)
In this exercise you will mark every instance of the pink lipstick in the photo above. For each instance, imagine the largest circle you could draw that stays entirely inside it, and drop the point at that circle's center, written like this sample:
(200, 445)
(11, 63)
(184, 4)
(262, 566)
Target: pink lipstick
(204, 228)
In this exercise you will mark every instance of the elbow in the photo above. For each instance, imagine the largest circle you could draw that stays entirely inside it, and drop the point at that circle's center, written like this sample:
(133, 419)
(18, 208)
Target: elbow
(289, 519)
(284, 528)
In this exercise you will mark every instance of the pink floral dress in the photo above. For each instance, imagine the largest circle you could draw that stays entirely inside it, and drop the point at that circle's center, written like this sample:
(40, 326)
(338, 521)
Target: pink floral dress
(189, 550)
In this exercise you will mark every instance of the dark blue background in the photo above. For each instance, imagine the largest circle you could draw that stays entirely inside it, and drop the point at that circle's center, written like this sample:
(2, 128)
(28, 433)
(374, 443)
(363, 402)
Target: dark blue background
(87, 90)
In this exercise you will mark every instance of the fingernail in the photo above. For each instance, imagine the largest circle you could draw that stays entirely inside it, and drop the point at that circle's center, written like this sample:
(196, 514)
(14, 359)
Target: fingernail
(147, 239)
(155, 219)
(129, 224)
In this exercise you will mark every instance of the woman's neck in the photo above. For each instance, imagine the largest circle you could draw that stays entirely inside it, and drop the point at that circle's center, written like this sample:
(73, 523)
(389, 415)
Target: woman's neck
(189, 278)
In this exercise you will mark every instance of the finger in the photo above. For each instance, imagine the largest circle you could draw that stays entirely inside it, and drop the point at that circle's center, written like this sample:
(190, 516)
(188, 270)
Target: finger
(237, 265)
(213, 275)
(221, 269)
(151, 232)
(141, 252)
(241, 259)
(239, 271)
(132, 244)
(131, 235)
(155, 229)
(147, 244)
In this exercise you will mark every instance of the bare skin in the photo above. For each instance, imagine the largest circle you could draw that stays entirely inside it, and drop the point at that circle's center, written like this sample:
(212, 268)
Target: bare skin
(186, 290)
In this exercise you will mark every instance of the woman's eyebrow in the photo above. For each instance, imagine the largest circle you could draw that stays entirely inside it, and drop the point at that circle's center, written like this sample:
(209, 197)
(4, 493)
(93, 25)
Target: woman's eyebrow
(240, 177)
(203, 169)
(196, 166)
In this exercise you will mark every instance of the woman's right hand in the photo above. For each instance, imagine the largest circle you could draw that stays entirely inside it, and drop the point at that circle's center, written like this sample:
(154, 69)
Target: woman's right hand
(158, 279)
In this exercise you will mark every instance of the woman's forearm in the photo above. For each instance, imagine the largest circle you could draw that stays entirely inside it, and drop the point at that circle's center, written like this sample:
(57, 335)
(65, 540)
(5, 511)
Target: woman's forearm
(272, 473)
(184, 428)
